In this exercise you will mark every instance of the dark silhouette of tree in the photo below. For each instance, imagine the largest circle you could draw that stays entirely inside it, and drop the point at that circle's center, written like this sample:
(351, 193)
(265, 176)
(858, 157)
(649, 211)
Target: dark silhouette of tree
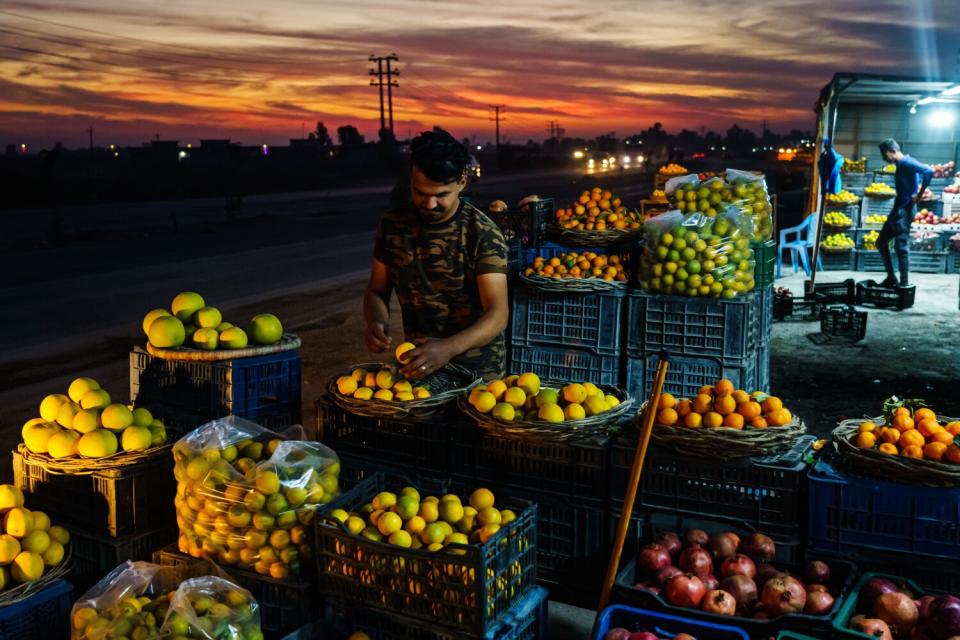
(349, 136)
(321, 135)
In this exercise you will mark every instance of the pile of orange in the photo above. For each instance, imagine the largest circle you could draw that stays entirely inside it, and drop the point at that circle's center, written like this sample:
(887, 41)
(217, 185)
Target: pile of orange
(672, 169)
(912, 434)
(723, 406)
(578, 265)
(597, 210)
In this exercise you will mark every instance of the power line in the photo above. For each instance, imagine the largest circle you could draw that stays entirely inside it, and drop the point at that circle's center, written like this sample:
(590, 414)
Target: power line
(497, 109)
(390, 83)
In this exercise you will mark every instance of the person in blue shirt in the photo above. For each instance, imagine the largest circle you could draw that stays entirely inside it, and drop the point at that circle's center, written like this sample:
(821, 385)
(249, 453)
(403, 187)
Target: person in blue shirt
(910, 174)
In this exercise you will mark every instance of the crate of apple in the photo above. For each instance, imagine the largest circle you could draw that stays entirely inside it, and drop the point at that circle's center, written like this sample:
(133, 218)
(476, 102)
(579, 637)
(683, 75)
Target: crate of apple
(724, 574)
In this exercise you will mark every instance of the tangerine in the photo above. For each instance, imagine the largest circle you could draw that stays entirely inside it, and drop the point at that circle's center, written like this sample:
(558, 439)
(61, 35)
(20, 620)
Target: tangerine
(740, 396)
(771, 404)
(724, 387)
(912, 437)
(712, 419)
(943, 436)
(869, 425)
(749, 410)
(902, 411)
(887, 447)
(953, 454)
(667, 401)
(706, 390)
(693, 420)
(934, 451)
(733, 420)
(902, 423)
(928, 426)
(759, 423)
(912, 451)
(890, 435)
(724, 404)
(924, 413)
(953, 428)
(866, 440)
(667, 416)
(702, 403)
(684, 407)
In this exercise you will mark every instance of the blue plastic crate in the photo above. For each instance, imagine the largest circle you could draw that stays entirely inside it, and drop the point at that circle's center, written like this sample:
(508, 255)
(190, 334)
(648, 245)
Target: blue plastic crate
(699, 327)
(558, 363)
(257, 387)
(46, 614)
(588, 321)
(843, 261)
(687, 374)
(662, 624)
(855, 182)
(875, 206)
(850, 512)
(552, 249)
(766, 312)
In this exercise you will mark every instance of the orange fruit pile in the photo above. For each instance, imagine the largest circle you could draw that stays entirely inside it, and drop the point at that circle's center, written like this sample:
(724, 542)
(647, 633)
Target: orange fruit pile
(578, 265)
(723, 406)
(597, 210)
(672, 169)
(912, 434)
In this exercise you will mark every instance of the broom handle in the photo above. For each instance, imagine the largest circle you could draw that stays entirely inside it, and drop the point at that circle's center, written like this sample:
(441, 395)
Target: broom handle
(634, 482)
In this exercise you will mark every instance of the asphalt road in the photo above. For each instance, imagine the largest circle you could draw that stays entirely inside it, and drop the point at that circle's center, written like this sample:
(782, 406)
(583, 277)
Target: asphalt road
(120, 260)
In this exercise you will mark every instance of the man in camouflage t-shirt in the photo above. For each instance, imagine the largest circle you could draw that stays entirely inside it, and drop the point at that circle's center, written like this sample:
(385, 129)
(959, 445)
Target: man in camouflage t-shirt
(447, 263)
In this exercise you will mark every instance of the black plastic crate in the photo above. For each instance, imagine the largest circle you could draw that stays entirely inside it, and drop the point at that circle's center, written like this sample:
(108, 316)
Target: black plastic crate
(576, 470)
(418, 445)
(835, 292)
(855, 182)
(699, 327)
(117, 502)
(790, 309)
(45, 614)
(465, 587)
(929, 572)
(843, 321)
(95, 555)
(868, 292)
(589, 321)
(837, 261)
(686, 375)
(256, 388)
(528, 227)
(285, 605)
(768, 493)
(557, 363)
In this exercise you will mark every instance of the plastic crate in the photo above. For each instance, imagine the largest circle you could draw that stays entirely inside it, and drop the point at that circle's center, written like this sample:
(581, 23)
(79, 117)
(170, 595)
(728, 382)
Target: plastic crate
(849, 512)
(553, 363)
(875, 206)
(920, 261)
(528, 227)
(837, 261)
(257, 388)
(686, 375)
(285, 605)
(465, 588)
(790, 635)
(526, 620)
(589, 321)
(933, 573)
(663, 624)
(95, 555)
(45, 614)
(698, 327)
(576, 470)
(765, 304)
(841, 621)
(117, 502)
(835, 292)
(855, 182)
(843, 322)
(549, 250)
(843, 574)
(868, 292)
(884, 177)
(768, 493)
(795, 310)
(765, 254)
(421, 445)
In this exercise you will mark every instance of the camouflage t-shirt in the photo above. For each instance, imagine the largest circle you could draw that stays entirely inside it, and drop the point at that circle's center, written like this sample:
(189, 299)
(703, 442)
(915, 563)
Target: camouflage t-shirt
(434, 270)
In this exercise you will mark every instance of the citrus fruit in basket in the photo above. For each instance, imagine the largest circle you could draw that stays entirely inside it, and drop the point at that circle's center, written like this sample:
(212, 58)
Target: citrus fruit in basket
(167, 332)
(186, 304)
(723, 405)
(265, 328)
(530, 401)
(915, 431)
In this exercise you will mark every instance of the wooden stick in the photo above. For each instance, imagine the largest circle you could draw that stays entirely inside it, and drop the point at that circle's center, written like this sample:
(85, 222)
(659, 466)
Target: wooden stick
(634, 482)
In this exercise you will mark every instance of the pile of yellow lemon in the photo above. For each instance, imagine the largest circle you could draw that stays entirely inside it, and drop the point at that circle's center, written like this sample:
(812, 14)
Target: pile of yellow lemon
(29, 544)
(877, 218)
(86, 423)
(844, 197)
(387, 384)
(520, 397)
(571, 264)
(879, 189)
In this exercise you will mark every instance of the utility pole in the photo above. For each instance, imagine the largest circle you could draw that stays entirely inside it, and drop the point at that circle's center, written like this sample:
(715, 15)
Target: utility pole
(90, 131)
(552, 127)
(390, 82)
(497, 108)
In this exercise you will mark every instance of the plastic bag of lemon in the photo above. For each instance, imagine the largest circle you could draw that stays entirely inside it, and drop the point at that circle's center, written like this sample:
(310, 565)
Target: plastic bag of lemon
(143, 600)
(30, 545)
(86, 423)
(445, 558)
(246, 496)
(747, 192)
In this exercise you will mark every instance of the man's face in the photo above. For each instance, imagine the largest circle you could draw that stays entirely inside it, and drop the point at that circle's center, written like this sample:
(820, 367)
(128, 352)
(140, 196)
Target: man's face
(435, 202)
(890, 156)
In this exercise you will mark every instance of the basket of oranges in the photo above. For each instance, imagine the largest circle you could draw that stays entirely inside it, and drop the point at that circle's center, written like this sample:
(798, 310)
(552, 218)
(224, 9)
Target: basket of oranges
(596, 219)
(908, 443)
(724, 422)
(557, 271)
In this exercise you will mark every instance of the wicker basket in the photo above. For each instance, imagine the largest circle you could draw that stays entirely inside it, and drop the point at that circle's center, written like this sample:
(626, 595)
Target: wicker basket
(571, 285)
(567, 431)
(835, 249)
(288, 342)
(28, 589)
(879, 196)
(593, 238)
(451, 379)
(842, 205)
(78, 466)
(726, 443)
(897, 468)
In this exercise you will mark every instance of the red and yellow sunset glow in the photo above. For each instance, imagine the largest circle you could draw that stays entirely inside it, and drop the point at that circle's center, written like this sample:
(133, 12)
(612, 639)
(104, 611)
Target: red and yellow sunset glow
(261, 72)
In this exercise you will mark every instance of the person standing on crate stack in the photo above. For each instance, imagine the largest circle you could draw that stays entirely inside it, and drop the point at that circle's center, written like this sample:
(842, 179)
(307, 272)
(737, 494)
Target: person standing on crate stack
(909, 174)
(447, 263)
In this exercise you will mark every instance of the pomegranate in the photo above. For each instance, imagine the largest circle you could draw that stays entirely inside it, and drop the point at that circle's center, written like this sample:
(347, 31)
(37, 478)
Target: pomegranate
(711, 582)
(759, 547)
(618, 633)
(783, 595)
(696, 560)
(743, 590)
(738, 564)
(944, 616)
(719, 602)
(653, 557)
(874, 588)
(766, 571)
(923, 606)
(654, 590)
(723, 545)
(813, 588)
(685, 590)
(664, 575)
(898, 610)
(819, 603)
(873, 627)
(697, 537)
(817, 572)
(672, 542)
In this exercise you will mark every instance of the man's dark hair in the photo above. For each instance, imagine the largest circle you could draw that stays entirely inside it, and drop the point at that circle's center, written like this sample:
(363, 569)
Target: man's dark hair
(439, 156)
(889, 145)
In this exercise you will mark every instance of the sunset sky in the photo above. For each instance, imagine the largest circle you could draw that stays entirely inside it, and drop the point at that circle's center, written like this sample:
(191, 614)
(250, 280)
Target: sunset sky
(256, 71)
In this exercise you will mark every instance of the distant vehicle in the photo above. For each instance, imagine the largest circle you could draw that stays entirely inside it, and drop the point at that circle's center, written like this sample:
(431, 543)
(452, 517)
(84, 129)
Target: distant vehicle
(601, 161)
(473, 169)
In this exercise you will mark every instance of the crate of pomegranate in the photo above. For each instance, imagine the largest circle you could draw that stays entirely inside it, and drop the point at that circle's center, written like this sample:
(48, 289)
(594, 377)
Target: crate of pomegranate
(731, 576)
(894, 608)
